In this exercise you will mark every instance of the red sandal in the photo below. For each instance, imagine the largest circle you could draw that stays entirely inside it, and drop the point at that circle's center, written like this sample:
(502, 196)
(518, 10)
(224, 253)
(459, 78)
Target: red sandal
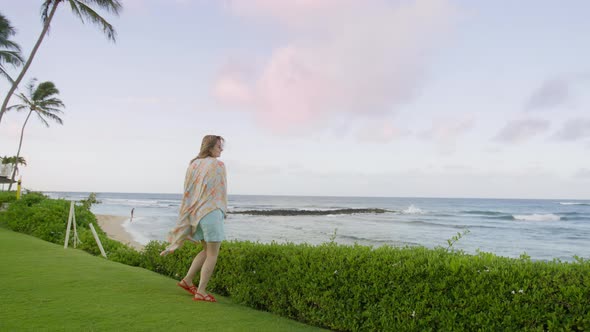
(189, 288)
(206, 298)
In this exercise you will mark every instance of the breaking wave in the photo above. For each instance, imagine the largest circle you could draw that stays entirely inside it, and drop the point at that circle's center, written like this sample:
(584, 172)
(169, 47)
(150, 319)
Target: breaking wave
(537, 217)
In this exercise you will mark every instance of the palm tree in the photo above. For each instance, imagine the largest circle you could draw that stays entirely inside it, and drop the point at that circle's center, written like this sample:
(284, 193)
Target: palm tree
(42, 101)
(80, 8)
(7, 165)
(11, 160)
(9, 50)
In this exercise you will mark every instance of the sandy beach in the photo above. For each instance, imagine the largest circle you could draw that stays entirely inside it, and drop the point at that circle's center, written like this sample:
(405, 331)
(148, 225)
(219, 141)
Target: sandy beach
(113, 226)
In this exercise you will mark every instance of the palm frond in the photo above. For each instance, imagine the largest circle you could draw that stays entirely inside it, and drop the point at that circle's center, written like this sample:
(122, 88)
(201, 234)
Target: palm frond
(24, 99)
(18, 107)
(6, 29)
(7, 43)
(5, 74)
(11, 160)
(95, 18)
(42, 119)
(45, 9)
(76, 9)
(53, 110)
(111, 6)
(52, 103)
(44, 114)
(12, 57)
(9, 50)
(44, 90)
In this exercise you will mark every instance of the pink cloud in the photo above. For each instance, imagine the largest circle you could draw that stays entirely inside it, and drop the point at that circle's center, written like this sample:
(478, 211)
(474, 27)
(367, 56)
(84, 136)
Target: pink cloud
(345, 56)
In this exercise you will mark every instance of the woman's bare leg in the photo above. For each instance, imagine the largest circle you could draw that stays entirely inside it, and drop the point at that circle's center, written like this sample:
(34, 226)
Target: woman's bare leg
(196, 265)
(208, 265)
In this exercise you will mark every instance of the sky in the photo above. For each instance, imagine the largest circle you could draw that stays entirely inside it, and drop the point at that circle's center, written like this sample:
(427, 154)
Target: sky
(386, 98)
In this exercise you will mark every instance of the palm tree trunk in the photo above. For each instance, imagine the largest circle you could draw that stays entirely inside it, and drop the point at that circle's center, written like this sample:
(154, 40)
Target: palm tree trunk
(20, 144)
(29, 60)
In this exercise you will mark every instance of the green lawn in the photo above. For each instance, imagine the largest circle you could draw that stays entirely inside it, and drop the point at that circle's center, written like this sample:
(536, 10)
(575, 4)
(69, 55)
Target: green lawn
(44, 287)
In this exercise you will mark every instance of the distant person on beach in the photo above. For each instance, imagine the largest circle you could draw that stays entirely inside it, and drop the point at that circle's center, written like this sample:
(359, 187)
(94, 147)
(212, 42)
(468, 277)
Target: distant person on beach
(130, 220)
(202, 213)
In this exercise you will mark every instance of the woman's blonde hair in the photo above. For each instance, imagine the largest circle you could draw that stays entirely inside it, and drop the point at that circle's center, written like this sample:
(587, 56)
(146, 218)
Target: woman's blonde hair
(207, 145)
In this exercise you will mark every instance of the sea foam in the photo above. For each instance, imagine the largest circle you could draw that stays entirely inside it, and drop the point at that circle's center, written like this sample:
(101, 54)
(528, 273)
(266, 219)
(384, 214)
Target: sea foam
(537, 217)
(413, 210)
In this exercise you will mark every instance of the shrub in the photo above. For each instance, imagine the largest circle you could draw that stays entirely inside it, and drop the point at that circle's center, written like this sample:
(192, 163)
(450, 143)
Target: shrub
(7, 196)
(357, 288)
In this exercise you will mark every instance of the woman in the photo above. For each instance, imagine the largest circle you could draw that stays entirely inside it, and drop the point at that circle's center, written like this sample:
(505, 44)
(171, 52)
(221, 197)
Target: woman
(204, 206)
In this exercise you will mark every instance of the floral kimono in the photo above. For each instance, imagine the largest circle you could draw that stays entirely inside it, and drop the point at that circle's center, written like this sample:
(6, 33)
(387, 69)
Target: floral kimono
(204, 191)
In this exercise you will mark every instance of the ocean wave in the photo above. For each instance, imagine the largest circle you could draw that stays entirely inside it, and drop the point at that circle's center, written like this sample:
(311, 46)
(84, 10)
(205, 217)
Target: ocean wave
(354, 238)
(436, 224)
(574, 203)
(500, 217)
(537, 217)
(575, 218)
(176, 201)
(362, 239)
(483, 212)
(413, 210)
(128, 201)
(425, 223)
(289, 212)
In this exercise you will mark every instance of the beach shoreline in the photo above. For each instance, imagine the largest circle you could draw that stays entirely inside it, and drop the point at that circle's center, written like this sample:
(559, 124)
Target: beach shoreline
(113, 226)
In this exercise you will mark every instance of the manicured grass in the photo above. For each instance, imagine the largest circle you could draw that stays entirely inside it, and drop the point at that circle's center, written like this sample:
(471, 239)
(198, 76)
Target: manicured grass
(44, 287)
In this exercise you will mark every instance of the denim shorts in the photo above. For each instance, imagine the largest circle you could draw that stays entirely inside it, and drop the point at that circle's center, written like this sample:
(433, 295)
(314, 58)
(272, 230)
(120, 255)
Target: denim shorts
(210, 227)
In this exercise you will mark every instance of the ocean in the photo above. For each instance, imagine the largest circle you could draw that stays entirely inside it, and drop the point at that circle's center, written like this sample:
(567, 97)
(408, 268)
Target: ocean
(541, 229)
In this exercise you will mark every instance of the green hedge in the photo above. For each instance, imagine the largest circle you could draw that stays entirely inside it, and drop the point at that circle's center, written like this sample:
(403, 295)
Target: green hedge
(359, 288)
(45, 218)
(7, 196)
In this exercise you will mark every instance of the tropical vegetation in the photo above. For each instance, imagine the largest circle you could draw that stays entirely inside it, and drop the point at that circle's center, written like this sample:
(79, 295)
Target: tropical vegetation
(41, 100)
(9, 50)
(13, 160)
(81, 8)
